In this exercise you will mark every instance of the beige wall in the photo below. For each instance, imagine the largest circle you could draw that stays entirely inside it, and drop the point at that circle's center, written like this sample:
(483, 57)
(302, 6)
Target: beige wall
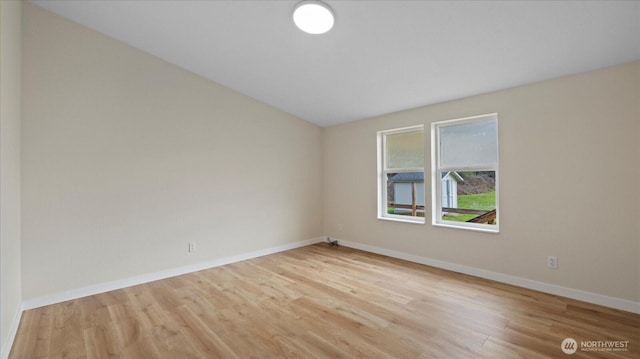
(10, 106)
(569, 175)
(127, 158)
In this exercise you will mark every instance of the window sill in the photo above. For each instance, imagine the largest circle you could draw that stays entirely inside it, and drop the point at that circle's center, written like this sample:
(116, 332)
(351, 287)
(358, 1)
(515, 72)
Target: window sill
(475, 229)
(405, 220)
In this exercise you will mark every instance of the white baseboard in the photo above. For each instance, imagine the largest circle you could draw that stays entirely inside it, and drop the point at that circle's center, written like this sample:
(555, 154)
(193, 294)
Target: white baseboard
(146, 278)
(584, 296)
(13, 330)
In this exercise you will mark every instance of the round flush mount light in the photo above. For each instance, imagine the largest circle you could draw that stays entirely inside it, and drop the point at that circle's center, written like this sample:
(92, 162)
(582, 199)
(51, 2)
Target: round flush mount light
(313, 17)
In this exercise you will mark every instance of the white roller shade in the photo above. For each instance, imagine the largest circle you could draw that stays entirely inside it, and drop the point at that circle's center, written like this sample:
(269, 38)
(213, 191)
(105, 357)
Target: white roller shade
(469, 145)
(405, 150)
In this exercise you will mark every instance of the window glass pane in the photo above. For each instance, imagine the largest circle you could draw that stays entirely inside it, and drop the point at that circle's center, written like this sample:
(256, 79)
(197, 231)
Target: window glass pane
(405, 193)
(469, 145)
(469, 196)
(405, 150)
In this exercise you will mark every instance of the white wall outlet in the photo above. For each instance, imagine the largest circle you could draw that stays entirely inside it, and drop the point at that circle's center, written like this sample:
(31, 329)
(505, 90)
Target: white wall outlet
(552, 262)
(339, 226)
(192, 247)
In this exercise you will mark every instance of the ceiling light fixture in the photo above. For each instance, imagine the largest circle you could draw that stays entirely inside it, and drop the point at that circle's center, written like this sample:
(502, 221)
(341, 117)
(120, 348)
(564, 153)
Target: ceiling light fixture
(313, 17)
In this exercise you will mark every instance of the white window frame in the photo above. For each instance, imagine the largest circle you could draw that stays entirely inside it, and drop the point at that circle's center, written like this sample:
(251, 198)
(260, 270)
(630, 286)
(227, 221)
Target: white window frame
(436, 170)
(382, 176)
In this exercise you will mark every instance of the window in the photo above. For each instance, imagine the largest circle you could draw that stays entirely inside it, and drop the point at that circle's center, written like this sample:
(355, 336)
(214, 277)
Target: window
(401, 174)
(465, 173)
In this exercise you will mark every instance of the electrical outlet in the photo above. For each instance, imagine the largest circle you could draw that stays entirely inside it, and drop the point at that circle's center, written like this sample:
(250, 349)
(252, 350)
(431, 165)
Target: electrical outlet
(552, 262)
(339, 226)
(192, 247)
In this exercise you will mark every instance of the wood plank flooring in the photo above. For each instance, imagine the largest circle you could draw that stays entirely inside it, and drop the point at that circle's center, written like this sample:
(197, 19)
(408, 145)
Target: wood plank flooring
(321, 302)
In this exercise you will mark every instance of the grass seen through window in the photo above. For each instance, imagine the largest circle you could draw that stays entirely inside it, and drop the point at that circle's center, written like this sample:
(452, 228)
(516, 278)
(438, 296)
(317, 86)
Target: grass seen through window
(481, 201)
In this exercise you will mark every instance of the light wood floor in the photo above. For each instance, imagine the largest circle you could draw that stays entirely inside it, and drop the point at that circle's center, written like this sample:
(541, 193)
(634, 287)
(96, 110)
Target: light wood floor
(321, 302)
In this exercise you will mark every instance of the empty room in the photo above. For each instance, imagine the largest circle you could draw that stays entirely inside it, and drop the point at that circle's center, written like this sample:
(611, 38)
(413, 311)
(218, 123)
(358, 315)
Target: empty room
(319, 179)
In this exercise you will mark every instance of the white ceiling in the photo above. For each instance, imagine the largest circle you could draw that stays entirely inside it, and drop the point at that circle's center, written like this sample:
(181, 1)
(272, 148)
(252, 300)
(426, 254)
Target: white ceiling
(381, 56)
